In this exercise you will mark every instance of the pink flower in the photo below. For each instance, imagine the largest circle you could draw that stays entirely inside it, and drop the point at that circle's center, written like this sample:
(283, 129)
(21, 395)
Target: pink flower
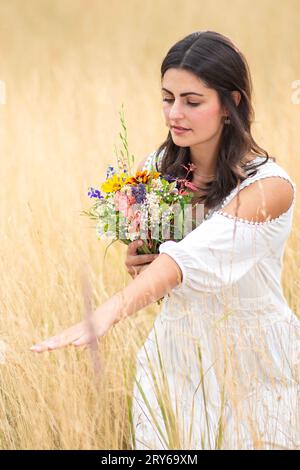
(123, 203)
(183, 193)
(190, 167)
(190, 185)
(135, 222)
(130, 196)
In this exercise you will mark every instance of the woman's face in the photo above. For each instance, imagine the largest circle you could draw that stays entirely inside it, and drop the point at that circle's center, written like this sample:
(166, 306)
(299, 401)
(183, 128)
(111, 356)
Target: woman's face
(198, 110)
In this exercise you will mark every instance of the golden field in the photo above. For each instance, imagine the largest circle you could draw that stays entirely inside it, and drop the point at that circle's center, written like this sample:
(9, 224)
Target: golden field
(67, 66)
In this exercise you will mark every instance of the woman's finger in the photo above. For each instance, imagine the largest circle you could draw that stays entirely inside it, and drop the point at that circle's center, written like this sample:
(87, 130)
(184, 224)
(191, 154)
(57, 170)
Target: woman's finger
(144, 259)
(140, 259)
(83, 340)
(60, 340)
(133, 246)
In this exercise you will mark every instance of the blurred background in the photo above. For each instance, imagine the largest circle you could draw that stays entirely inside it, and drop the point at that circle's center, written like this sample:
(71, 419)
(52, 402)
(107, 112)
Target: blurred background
(66, 66)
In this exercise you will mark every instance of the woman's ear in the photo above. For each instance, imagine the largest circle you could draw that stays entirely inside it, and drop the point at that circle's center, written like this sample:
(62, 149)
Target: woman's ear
(236, 96)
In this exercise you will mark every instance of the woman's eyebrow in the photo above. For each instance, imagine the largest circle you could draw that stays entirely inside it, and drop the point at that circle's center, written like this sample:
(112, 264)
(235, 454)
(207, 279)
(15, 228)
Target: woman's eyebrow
(183, 94)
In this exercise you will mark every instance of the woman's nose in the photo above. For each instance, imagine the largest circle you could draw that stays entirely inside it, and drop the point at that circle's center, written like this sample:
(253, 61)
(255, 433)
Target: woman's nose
(176, 111)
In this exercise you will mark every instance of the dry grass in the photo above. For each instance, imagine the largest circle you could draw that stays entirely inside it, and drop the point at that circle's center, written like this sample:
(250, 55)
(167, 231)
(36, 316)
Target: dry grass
(68, 65)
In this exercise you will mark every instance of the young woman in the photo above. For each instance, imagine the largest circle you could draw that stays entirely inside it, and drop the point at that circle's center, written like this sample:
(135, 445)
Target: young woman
(219, 368)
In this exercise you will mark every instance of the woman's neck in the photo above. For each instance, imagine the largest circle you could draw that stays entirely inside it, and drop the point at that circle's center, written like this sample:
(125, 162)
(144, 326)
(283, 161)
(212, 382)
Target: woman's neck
(205, 171)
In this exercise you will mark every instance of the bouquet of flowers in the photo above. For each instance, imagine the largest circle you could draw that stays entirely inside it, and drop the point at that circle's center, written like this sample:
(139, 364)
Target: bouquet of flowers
(141, 205)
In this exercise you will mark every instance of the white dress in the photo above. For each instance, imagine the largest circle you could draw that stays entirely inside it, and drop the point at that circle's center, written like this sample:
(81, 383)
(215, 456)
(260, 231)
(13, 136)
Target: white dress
(220, 367)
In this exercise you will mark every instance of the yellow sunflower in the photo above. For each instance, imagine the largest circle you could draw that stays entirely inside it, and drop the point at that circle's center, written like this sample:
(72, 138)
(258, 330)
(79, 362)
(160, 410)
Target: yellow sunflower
(114, 184)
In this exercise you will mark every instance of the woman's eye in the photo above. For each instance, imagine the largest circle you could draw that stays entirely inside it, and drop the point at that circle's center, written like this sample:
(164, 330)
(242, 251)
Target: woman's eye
(169, 100)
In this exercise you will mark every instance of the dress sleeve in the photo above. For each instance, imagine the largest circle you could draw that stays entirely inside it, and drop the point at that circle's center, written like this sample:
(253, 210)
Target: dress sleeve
(153, 161)
(149, 162)
(218, 253)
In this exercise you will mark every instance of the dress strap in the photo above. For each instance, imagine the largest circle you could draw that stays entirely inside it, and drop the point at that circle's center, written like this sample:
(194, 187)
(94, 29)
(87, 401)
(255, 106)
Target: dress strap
(152, 159)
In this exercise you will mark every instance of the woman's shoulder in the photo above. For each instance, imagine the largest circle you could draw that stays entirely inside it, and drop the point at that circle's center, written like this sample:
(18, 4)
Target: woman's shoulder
(267, 168)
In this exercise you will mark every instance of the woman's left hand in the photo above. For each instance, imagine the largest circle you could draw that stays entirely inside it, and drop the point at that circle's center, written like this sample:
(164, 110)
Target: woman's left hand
(79, 334)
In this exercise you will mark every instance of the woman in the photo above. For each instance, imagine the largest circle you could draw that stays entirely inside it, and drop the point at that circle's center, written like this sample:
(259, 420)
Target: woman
(219, 367)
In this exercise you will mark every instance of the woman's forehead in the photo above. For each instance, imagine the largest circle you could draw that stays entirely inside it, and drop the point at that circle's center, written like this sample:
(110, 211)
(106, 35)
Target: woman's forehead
(182, 81)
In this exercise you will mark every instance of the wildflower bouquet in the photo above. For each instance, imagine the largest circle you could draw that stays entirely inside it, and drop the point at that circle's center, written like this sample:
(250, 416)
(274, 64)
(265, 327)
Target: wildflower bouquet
(141, 205)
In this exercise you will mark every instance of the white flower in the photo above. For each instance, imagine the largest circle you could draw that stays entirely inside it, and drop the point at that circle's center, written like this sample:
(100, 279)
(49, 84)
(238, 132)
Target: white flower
(100, 228)
(154, 208)
(110, 234)
(156, 184)
(100, 210)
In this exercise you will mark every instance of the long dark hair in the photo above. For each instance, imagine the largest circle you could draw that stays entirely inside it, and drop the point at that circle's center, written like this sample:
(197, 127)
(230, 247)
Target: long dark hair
(221, 66)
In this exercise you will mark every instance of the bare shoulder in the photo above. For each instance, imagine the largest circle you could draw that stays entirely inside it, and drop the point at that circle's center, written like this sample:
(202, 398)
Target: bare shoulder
(262, 200)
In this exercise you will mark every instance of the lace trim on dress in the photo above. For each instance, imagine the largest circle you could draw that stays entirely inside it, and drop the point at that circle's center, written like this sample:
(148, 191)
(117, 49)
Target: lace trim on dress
(153, 158)
(247, 183)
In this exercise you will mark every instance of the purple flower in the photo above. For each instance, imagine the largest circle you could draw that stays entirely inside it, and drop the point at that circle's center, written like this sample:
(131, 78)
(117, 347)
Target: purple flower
(169, 178)
(95, 193)
(110, 171)
(139, 192)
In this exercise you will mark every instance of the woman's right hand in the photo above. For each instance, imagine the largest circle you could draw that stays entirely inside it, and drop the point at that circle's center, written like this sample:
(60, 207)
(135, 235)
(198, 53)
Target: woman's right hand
(136, 263)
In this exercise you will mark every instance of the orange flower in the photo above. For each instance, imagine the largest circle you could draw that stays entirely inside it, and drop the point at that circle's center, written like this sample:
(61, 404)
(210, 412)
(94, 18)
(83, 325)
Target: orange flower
(142, 177)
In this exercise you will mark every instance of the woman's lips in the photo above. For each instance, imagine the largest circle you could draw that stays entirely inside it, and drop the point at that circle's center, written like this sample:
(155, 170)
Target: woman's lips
(179, 130)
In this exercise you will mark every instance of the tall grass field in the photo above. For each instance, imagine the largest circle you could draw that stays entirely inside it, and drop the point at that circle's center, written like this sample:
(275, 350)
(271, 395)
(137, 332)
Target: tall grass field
(66, 67)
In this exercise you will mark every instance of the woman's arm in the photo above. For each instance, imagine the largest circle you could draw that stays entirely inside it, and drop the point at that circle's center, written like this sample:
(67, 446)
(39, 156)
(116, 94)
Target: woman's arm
(162, 275)
(159, 278)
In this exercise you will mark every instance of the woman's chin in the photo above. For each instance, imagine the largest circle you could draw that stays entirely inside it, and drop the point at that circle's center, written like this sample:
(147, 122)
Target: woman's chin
(181, 142)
